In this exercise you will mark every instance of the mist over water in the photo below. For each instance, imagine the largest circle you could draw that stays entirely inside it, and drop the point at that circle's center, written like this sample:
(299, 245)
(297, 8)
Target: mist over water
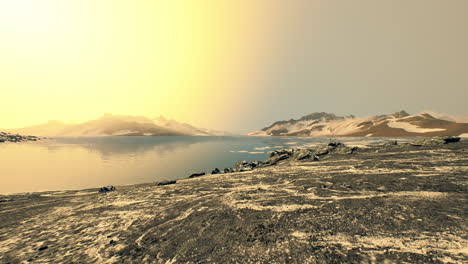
(80, 163)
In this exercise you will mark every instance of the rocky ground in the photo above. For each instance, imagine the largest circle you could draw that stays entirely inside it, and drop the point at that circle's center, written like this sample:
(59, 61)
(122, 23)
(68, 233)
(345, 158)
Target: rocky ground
(7, 137)
(382, 204)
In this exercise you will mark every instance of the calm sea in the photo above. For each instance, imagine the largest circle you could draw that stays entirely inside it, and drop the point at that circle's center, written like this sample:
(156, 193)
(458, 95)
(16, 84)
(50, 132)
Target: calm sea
(79, 163)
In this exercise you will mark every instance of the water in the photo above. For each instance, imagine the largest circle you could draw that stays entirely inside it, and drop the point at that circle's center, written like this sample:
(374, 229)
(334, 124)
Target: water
(80, 163)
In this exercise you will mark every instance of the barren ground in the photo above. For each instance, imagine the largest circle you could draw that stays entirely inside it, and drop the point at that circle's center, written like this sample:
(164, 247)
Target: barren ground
(399, 205)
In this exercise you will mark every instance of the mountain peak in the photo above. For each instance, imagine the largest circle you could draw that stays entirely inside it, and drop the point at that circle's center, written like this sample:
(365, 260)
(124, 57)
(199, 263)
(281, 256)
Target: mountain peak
(320, 115)
(400, 114)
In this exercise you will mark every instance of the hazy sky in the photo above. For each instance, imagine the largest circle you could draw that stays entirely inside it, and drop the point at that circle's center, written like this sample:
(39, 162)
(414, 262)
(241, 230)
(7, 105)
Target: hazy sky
(231, 65)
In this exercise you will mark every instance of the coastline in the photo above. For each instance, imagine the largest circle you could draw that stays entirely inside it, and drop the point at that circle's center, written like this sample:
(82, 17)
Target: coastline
(383, 203)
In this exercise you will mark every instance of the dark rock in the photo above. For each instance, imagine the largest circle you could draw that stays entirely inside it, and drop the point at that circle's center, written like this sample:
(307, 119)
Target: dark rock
(281, 152)
(435, 141)
(167, 182)
(301, 154)
(43, 248)
(228, 170)
(321, 150)
(342, 149)
(246, 166)
(255, 164)
(197, 174)
(216, 171)
(390, 143)
(275, 159)
(107, 189)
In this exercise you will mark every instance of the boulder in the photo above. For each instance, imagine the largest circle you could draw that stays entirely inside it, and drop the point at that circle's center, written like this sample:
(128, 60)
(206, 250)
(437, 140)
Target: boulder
(167, 182)
(228, 170)
(276, 158)
(321, 150)
(344, 150)
(281, 152)
(240, 165)
(216, 171)
(196, 174)
(107, 189)
(301, 154)
(255, 164)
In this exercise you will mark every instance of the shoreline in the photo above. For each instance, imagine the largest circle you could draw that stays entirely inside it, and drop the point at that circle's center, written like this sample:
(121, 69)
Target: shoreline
(384, 203)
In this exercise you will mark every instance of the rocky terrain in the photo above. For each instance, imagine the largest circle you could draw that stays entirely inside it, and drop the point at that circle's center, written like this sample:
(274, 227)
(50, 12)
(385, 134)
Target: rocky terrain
(391, 203)
(117, 125)
(399, 124)
(7, 137)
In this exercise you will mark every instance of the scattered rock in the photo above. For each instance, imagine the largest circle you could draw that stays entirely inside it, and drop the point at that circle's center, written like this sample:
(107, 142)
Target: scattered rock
(43, 248)
(246, 166)
(228, 170)
(4, 137)
(216, 171)
(197, 174)
(276, 158)
(321, 150)
(107, 189)
(390, 143)
(435, 141)
(382, 189)
(167, 182)
(301, 154)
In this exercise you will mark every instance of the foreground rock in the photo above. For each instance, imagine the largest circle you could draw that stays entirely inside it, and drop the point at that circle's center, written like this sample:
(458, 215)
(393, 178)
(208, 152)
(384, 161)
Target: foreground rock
(197, 174)
(403, 204)
(435, 141)
(7, 137)
(107, 189)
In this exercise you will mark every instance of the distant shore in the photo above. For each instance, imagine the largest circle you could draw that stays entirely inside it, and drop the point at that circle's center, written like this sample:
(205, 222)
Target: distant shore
(395, 203)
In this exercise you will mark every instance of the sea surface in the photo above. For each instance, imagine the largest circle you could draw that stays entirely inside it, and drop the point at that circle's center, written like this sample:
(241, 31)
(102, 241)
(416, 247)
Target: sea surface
(81, 163)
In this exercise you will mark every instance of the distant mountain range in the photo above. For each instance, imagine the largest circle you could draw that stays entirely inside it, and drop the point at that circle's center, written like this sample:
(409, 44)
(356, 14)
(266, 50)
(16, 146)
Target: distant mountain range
(115, 125)
(399, 124)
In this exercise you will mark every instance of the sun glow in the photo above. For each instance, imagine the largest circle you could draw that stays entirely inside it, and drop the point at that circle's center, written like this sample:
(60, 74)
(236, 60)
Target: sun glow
(74, 60)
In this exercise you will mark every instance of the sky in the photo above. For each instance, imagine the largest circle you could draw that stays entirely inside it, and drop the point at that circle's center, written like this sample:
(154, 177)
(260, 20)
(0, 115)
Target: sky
(230, 65)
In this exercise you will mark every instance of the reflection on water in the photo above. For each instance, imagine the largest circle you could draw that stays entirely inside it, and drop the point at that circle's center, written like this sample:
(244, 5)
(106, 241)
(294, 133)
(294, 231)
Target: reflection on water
(78, 163)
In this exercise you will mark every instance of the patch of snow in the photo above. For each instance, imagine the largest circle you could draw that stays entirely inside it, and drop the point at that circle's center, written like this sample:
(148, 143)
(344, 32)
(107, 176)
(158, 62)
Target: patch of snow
(408, 127)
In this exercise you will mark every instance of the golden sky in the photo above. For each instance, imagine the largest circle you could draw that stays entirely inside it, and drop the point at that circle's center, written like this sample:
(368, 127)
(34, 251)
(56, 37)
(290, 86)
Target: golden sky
(74, 60)
(231, 65)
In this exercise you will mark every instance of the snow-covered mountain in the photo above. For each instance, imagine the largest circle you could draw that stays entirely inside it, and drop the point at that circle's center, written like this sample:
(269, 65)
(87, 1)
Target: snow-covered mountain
(116, 125)
(399, 124)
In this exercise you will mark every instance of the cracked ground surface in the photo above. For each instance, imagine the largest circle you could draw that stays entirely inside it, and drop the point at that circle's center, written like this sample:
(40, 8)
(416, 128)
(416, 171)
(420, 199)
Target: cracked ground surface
(397, 204)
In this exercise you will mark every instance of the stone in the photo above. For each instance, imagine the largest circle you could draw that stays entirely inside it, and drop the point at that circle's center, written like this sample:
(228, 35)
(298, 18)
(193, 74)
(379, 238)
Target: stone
(107, 189)
(216, 171)
(167, 182)
(435, 141)
(228, 170)
(281, 152)
(240, 165)
(301, 154)
(345, 150)
(245, 169)
(390, 143)
(321, 150)
(382, 189)
(275, 159)
(246, 166)
(255, 164)
(196, 174)
(43, 248)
